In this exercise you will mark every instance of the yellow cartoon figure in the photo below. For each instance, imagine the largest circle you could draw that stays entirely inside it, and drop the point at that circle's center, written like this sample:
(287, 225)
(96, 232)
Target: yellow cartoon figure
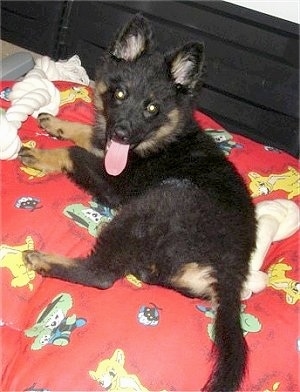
(279, 281)
(275, 387)
(133, 280)
(11, 258)
(112, 376)
(33, 173)
(72, 94)
(288, 182)
(29, 144)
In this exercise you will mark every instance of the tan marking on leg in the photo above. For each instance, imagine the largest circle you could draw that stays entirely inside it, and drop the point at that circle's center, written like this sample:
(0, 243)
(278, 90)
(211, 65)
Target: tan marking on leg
(80, 134)
(197, 280)
(56, 160)
(41, 262)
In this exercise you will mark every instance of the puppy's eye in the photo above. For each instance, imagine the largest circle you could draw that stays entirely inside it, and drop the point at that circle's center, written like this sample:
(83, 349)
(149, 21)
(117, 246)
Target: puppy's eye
(120, 95)
(152, 108)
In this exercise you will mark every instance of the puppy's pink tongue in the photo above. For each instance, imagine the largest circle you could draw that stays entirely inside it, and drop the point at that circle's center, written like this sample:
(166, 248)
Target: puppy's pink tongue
(116, 158)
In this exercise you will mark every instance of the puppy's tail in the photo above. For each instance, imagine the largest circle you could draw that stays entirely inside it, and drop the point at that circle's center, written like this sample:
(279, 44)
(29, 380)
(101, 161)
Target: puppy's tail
(230, 349)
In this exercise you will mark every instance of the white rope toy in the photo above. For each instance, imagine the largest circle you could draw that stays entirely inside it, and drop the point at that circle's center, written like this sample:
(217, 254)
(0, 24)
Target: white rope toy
(276, 220)
(36, 94)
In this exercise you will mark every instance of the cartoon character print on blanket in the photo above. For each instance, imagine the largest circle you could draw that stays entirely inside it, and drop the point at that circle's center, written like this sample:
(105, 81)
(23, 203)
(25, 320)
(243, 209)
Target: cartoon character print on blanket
(35, 388)
(31, 174)
(275, 387)
(224, 139)
(75, 104)
(278, 280)
(249, 322)
(28, 203)
(134, 281)
(4, 93)
(54, 325)
(148, 315)
(288, 181)
(92, 217)
(73, 94)
(11, 258)
(112, 375)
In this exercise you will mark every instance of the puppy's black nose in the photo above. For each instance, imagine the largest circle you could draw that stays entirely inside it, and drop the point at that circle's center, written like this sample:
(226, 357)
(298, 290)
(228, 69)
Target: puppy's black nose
(121, 134)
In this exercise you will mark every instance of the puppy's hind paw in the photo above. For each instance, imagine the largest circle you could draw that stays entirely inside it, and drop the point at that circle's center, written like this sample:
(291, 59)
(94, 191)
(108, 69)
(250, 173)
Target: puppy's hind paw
(36, 261)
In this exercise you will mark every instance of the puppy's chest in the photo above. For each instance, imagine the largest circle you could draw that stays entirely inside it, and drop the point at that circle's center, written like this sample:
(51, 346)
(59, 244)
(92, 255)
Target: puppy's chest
(143, 176)
(180, 165)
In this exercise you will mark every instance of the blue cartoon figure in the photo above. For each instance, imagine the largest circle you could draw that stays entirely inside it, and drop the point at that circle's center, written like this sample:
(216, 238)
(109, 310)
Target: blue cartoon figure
(29, 203)
(223, 139)
(149, 315)
(4, 94)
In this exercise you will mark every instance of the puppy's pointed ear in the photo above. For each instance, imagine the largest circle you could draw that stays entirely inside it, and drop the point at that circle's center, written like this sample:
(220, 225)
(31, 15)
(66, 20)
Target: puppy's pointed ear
(133, 40)
(186, 64)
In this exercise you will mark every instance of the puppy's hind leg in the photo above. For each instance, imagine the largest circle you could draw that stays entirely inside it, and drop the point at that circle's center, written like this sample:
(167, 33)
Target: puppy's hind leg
(81, 271)
(195, 280)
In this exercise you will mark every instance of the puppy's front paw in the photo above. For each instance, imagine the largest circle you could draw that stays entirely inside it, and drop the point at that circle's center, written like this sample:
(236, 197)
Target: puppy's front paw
(30, 157)
(36, 261)
(50, 124)
(47, 161)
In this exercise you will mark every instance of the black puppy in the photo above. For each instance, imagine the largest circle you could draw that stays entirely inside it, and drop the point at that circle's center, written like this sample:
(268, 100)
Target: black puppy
(185, 218)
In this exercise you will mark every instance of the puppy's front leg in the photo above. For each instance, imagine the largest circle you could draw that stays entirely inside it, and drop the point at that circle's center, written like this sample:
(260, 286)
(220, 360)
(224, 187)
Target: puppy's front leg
(56, 160)
(78, 133)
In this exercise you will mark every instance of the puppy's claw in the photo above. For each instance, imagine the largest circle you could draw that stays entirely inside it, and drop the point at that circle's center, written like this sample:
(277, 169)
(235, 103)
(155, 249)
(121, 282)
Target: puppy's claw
(27, 157)
(50, 124)
(43, 119)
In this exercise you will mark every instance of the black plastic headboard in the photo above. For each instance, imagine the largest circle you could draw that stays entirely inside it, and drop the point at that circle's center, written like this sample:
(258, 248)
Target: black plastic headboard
(252, 82)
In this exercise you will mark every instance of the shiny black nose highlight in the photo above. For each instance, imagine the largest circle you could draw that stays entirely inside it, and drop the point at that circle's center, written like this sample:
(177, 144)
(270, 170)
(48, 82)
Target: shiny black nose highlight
(121, 134)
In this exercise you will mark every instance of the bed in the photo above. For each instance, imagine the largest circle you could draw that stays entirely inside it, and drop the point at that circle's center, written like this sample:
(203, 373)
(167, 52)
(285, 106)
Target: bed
(58, 336)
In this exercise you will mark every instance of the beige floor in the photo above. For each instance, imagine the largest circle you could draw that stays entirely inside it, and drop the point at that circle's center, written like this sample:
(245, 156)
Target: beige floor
(7, 49)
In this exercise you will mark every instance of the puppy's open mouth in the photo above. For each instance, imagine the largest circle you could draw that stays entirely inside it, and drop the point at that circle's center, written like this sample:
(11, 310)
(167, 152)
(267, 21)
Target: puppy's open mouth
(116, 156)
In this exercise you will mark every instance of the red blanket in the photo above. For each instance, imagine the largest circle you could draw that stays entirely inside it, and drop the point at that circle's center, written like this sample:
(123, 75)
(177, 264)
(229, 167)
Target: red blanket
(58, 336)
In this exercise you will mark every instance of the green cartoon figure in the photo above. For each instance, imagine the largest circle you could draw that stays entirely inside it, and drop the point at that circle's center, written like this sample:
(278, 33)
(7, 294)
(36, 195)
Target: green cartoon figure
(249, 323)
(53, 326)
(223, 139)
(91, 217)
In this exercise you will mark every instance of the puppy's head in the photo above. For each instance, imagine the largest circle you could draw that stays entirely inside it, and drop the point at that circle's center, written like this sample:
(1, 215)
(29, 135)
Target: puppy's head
(143, 97)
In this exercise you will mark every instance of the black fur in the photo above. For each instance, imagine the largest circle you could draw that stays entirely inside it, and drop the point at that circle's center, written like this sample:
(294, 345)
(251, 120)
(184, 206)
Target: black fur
(182, 205)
